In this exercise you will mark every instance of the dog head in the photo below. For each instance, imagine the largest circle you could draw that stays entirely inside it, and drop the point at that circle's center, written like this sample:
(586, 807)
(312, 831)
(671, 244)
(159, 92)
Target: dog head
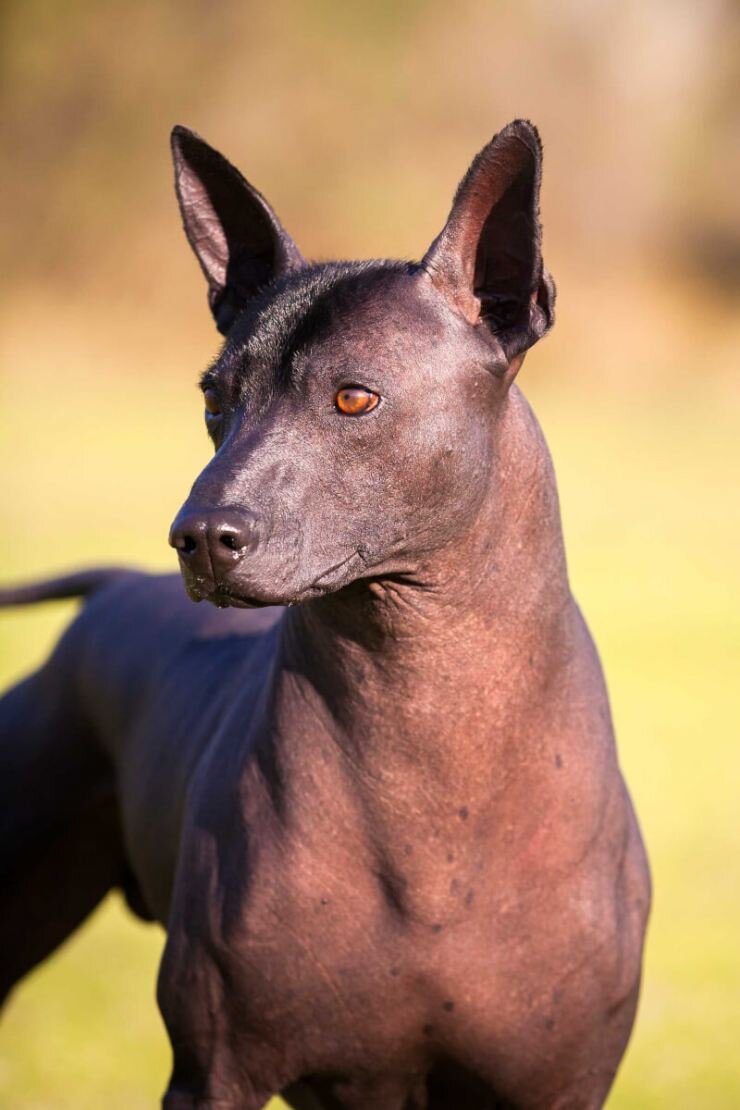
(353, 405)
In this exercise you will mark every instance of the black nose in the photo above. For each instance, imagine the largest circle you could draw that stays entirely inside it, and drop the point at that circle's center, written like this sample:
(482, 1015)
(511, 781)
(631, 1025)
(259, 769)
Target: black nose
(211, 543)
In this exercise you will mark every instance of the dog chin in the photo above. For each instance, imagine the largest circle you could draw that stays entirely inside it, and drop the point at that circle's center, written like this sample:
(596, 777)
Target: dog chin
(231, 601)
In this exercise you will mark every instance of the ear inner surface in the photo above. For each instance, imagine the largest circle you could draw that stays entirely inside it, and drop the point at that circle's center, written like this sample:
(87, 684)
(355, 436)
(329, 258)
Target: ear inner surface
(237, 238)
(487, 260)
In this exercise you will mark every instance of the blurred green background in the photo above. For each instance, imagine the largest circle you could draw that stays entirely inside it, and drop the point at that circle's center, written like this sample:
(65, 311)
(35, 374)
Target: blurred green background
(357, 121)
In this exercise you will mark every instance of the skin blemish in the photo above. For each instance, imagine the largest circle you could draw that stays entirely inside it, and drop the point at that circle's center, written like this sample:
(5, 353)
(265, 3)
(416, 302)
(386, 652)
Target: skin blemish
(436, 928)
(450, 857)
(427, 1029)
(407, 850)
(469, 898)
(558, 760)
(448, 1006)
(462, 813)
(395, 972)
(454, 886)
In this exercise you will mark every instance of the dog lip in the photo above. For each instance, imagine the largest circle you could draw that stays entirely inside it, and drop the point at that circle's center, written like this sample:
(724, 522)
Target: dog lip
(199, 588)
(224, 598)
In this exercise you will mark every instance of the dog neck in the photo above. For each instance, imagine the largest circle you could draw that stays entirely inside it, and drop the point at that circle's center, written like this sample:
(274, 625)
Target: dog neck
(468, 648)
(413, 717)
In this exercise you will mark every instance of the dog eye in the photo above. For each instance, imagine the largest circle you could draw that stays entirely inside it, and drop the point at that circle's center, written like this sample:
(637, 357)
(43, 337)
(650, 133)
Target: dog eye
(355, 401)
(210, 399)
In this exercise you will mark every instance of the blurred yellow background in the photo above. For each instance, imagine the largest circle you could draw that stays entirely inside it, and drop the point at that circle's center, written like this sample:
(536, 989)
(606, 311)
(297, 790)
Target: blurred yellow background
(357, 122)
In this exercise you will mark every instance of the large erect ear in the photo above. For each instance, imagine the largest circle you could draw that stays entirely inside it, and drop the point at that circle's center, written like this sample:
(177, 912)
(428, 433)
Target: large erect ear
(487, 260)
(237, 238)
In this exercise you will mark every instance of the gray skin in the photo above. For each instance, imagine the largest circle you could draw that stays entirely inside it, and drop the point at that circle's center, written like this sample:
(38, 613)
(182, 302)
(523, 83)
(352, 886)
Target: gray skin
(384, 826)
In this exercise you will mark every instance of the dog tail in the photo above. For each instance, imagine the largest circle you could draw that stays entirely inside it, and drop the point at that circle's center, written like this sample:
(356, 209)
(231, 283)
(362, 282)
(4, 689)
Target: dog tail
(81, 584)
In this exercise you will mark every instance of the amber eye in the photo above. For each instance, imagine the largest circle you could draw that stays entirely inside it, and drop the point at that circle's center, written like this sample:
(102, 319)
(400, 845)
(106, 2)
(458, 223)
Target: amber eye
(355, 401)
(210, 398)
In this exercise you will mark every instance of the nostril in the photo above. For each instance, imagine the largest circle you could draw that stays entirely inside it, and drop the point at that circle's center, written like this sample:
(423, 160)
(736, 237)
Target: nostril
(185, 544)
(231, 540)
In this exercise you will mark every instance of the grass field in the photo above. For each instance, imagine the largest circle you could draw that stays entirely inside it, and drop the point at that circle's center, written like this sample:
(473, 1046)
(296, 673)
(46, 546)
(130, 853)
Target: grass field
(95, 467)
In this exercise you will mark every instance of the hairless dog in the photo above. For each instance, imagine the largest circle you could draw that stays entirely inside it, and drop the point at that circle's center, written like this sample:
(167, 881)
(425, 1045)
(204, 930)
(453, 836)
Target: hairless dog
(372, 790)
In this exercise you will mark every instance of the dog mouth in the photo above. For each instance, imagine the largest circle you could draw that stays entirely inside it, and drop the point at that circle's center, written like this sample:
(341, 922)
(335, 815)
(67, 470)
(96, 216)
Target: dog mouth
(221, 595)
(227, 594)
